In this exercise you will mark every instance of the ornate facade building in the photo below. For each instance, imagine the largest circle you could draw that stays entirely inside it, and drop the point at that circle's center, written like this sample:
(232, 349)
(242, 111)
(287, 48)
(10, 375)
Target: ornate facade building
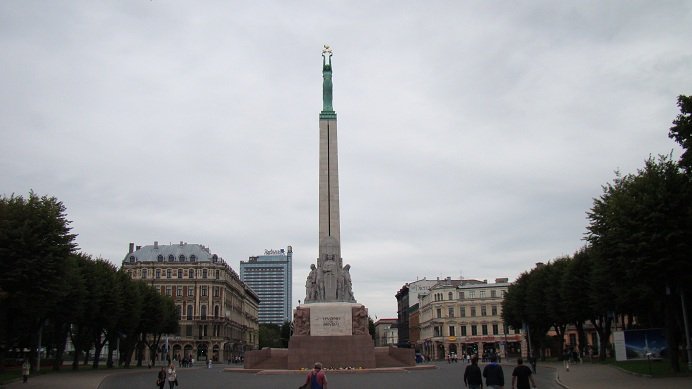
(217, 312)
(465, 316)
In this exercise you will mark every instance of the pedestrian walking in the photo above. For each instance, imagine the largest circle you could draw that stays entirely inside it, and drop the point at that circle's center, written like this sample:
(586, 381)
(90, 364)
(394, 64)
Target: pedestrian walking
(494, 376)
(316, 378)
(161, 378)
(521, 376)
(171, 376)
(472, 375)
(26, 369)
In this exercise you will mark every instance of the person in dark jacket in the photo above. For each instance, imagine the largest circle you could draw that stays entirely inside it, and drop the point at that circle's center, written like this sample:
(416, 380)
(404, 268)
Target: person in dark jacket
(494, 376)
(472, 375)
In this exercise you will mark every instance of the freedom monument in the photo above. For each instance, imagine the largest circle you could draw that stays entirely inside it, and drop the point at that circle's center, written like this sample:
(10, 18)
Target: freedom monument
(330, 326)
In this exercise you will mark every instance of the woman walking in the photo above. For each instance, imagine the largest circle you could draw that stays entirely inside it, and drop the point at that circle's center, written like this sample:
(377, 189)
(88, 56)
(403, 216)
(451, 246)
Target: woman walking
(171, 376)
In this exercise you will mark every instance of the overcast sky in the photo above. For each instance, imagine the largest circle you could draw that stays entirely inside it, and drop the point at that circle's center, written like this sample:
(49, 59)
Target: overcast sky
(473, 136)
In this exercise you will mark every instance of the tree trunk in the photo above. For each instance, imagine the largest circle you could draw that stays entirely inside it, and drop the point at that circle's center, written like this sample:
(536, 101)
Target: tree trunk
(672, 334)
(581, 338)
(75, 359)
(602, 325)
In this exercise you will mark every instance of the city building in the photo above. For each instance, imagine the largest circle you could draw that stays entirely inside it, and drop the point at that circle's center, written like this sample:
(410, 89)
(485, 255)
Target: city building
(270, 276)
(465, 316)
(408, 294)
(217, 312)
(386, 333)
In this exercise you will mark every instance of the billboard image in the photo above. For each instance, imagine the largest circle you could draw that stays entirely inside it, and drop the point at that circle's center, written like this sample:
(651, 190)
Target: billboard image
(640, 344)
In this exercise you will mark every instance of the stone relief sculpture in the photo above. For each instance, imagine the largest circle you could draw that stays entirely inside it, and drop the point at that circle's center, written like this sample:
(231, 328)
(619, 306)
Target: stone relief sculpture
(360, 321)
(301, 321)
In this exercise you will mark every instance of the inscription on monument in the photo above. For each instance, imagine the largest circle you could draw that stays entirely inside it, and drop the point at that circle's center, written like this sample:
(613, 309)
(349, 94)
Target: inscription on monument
(331, 320)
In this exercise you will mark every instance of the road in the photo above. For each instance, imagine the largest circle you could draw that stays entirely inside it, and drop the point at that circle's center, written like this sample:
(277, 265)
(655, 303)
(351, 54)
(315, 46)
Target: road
(445, 376)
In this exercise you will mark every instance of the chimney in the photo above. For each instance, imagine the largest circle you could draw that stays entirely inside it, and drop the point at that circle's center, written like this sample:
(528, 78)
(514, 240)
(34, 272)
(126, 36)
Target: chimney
(539, 264)
(156, 245)
(132, 248)
(139, 247)
(181, 243)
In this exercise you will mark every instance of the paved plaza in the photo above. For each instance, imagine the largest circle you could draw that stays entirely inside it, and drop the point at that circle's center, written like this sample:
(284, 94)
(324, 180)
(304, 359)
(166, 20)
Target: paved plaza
(444, 375)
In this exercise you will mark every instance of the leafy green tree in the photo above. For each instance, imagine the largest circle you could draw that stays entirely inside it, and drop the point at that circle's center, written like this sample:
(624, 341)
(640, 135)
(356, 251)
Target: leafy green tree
(575, 287)
(35, 243)
(269, 335)
(554, 299)
(681, 131)
(285, 333)
(640, 229)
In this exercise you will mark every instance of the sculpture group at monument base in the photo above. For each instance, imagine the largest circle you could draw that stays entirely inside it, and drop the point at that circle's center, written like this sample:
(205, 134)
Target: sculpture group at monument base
(335, 334)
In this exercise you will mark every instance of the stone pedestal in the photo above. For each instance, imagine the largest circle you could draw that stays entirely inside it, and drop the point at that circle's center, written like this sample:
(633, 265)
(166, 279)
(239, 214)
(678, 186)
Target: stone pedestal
(333, 351)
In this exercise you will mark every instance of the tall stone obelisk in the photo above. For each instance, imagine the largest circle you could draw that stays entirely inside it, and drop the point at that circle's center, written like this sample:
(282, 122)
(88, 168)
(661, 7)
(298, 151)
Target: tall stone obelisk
(330, 326)
(329, 260)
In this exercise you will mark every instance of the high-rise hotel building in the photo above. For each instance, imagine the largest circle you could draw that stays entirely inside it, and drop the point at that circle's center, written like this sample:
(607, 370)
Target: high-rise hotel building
(270, 276)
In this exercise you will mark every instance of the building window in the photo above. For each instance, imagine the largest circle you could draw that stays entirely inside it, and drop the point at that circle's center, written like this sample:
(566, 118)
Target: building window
(493, 310)
(474, 330)
(484, 311)
(193, 258)
(439, 312)
(203, 312)
(484, 328)
(144, 273)
(216, 312)
(179, 291)
(462, 311)
(472, 294)
(168, 273)
(204, 273)
(493, 293)
(181, 258)
(452, 331)
(191, 273)
(482, 294)
(158, 273)
(204, 291)
(449, 296)
(217, 293)
(450, 311)
(461, 295)
(463, 330)
(179, 312)
(189, 312)
(218, 274)
(159, 258)
(188, 330)
(473, 311)
(496, 330)
(190, 292)
(168, 291)
(171, 258)
(437, 331)
(132, 259)
(180, 273)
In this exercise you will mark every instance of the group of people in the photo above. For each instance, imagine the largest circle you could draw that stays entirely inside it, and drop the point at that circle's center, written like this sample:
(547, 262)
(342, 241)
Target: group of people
(167, 374)
(494, 376)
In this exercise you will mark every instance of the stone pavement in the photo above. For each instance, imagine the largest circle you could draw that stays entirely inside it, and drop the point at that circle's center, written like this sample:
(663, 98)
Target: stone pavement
(86, 379)
(599, 376)
(579, 376)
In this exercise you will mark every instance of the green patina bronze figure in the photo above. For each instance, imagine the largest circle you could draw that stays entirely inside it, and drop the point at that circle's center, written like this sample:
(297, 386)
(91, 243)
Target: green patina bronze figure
(327, 107)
